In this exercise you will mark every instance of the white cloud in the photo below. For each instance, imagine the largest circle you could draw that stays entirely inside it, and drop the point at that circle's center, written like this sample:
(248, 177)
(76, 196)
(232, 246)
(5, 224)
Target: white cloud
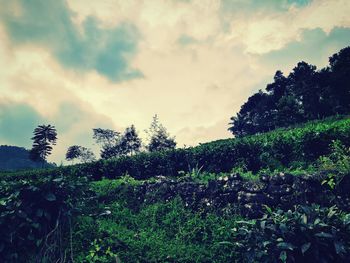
(265, 32)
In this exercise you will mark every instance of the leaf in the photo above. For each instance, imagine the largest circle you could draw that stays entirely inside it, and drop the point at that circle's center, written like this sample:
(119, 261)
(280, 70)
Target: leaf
(285, 245)
(305, 247)
(283, 256)
(339, 247)
(324, 235)
(304, 219)
(50, 197)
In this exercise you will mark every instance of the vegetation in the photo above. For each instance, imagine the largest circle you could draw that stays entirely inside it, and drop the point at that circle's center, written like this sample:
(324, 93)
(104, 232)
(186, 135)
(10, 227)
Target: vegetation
(305, 94)
(44, 137)
(81, 153)
(159, 138)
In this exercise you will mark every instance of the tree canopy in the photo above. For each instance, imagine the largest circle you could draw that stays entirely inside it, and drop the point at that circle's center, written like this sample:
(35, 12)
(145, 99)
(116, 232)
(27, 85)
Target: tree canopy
(159, 138)
(305, 94)
(44, 137)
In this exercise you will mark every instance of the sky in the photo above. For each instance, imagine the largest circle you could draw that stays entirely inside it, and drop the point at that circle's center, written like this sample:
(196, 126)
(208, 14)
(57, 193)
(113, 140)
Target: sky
(79, 64)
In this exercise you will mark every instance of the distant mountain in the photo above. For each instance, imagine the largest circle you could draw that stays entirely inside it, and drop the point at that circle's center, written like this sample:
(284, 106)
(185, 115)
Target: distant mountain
(17, 158)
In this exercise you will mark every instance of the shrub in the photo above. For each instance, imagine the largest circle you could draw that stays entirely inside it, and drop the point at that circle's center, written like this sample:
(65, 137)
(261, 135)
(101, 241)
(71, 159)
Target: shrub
(34, 215)
(307, 234)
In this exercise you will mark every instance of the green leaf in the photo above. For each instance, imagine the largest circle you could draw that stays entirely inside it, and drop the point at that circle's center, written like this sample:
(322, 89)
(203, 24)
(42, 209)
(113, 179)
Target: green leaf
(50, 197)
(305, 247)
(283, 256)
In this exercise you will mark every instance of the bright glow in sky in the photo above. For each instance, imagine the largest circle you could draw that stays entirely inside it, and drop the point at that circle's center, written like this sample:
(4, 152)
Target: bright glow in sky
(80, 64)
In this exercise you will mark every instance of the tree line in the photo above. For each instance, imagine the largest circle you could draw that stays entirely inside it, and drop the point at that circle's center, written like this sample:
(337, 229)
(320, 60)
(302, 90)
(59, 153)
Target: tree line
(112, 143)
(305, 94)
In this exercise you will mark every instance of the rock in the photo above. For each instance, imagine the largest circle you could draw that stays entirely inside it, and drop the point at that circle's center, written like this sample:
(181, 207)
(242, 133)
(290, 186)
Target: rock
(244, 197)
(236, 176)
(254, 187)
(287, 200)
(282, 178)
(213, 185)
(252, 210)
(265, 178)
(284, 189)
(234, 185)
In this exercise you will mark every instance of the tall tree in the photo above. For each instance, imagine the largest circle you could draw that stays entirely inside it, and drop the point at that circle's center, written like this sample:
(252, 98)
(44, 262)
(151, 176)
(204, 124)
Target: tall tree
(130, 142)
(340, 80)
(45, 136)
(305, 94)
(159, 138)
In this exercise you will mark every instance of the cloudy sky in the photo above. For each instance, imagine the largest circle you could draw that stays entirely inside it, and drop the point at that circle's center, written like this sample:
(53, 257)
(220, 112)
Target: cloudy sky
(81, 64)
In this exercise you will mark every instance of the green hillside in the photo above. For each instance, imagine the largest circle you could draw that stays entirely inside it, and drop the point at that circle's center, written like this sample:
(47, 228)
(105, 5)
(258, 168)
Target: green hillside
(281, 196)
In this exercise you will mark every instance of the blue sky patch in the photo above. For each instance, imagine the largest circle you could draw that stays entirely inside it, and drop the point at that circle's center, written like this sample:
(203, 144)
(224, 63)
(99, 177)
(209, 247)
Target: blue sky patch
(49, 23)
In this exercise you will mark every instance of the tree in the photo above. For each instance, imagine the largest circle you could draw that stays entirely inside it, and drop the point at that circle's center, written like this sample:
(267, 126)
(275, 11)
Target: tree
(340, 81)
(130, 143)
(108, 139)
(306, 94)
(159, 138)
(44, 137)
(81, 153)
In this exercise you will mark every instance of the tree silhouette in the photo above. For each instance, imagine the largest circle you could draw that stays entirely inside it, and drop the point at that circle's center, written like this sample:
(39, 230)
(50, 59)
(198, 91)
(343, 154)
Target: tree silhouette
(130, 142)
(44, 137)
(306, 94)
(109, 140)
(159, 138)
(81, 153)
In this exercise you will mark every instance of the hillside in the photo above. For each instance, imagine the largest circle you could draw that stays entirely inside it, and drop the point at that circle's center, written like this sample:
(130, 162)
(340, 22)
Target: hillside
(16, 158)
(281, 196)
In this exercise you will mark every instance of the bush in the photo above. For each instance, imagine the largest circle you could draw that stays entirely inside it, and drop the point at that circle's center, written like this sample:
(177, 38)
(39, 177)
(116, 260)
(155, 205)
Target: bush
(34, 217)
(307, 234)
(273, 150)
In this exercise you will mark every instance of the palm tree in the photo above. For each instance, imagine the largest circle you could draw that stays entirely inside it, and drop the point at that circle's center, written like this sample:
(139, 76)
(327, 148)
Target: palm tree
(44, 137)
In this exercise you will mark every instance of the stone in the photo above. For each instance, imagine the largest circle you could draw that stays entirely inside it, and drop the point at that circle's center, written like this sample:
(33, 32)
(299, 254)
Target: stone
(244, 197)
(254, 187)
(282, 178)
(236, 176)
(283, 189)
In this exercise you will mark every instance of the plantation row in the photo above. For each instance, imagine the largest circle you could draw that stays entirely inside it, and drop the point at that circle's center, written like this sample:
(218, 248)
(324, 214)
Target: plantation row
(294, 147)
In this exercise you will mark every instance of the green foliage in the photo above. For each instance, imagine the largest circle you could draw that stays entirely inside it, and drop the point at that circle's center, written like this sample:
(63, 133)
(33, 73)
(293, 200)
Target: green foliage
(337, 164)
(107, 186)
(163, 232)
(305, 94)
(307, 234)
(33, 214)
(282, 148)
